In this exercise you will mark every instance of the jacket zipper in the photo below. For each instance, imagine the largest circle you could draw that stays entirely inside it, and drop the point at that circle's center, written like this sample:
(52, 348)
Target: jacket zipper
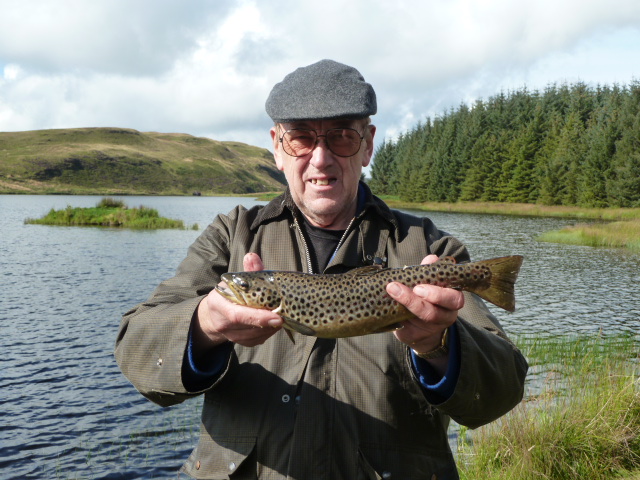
(306, 247)
(304, 244)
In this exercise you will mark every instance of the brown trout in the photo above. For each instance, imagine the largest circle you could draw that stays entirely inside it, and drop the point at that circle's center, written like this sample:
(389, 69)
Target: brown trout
(356, 302)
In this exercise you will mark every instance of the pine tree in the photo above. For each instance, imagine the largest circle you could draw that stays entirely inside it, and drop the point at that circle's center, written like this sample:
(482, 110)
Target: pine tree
(383, 170)
(623, 186)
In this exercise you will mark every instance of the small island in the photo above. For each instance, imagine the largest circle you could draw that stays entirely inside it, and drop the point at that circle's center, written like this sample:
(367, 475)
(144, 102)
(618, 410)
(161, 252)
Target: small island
(109, 213)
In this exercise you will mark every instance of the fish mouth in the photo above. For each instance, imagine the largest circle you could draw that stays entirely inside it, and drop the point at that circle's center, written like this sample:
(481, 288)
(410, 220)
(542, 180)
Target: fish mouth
(228, 290)
(227, 293)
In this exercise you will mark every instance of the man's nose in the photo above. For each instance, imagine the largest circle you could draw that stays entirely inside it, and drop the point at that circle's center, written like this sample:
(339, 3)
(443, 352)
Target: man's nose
(321, 153)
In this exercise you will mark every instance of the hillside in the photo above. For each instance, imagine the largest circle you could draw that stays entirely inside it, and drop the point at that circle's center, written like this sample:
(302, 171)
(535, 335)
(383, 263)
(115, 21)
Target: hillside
(125, 161)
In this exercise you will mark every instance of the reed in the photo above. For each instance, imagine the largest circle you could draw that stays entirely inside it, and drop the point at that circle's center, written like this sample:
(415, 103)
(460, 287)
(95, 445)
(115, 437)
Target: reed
(581, 417)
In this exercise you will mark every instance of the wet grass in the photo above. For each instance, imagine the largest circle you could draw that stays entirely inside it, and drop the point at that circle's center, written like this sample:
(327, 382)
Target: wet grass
(580, 419)
(109, 213)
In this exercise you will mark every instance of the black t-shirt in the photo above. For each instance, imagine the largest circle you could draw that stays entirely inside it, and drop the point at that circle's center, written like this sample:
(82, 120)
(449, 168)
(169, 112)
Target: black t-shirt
(322, 244)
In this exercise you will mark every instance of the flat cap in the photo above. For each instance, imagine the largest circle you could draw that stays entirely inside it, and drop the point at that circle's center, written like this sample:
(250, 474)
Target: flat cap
(321, 91)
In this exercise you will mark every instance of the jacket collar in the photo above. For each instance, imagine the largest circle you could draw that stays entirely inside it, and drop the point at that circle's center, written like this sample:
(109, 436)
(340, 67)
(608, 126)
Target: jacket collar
(284, 205)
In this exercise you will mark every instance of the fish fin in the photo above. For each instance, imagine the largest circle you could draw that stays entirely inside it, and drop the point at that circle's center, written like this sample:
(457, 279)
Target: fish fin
(298, 327)
(448, 259)
(290, 335)
(367, 270)
(504, 272)
(389, 328)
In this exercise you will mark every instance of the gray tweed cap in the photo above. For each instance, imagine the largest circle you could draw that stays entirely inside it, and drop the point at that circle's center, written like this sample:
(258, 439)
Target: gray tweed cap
(322, 91)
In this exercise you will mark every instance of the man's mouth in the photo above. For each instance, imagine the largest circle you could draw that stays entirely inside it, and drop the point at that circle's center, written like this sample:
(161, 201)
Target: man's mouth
(322, 181)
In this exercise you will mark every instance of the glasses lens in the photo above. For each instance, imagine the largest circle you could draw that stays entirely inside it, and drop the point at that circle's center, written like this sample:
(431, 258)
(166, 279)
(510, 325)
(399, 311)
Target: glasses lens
(299, 142)
(344, 142)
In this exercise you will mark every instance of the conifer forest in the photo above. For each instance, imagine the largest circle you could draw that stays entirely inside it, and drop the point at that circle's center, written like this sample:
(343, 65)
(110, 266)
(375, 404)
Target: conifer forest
(570, 144)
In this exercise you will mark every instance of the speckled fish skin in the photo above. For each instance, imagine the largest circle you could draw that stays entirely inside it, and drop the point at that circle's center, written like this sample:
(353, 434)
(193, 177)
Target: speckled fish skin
(356, 303)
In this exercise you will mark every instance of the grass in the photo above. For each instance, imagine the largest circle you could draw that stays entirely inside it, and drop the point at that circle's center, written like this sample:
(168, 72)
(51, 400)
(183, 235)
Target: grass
(116, 161)
(519, 209)
(109, 213)
(615, 234)
(613, 227)
(581, 418)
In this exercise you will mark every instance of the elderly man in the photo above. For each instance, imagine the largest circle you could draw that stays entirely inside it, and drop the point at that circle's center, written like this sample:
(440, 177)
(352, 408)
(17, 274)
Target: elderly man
(375, 406)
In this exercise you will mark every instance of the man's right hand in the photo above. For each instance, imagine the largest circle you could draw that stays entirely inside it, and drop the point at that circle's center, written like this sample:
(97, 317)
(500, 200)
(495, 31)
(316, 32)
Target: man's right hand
(220, 320)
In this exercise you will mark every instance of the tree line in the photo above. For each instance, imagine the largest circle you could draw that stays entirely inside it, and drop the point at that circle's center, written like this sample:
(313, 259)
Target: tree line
(570, 144)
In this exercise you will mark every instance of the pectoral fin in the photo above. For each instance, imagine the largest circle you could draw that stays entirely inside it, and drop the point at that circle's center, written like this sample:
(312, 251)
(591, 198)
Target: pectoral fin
(290, 335)
(298, 327)
(389, 328)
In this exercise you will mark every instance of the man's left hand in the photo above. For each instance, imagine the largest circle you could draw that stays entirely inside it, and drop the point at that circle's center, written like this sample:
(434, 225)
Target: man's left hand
(435, 309)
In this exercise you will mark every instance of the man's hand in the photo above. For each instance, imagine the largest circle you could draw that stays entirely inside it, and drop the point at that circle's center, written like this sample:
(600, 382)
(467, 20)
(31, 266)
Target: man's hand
(220, 320)
(435, 309)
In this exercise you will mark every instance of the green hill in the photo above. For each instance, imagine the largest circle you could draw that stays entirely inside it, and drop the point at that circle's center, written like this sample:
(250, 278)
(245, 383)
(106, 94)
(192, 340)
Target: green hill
(125, 161)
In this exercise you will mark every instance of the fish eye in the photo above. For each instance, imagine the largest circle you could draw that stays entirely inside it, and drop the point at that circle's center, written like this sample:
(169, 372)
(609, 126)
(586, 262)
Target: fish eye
(240, 283)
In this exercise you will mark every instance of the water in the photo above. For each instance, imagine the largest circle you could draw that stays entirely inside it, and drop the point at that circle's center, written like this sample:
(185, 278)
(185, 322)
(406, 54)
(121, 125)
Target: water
(66, 411)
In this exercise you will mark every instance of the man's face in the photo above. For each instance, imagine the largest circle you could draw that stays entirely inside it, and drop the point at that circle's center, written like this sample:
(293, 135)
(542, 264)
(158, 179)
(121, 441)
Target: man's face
(324, 185)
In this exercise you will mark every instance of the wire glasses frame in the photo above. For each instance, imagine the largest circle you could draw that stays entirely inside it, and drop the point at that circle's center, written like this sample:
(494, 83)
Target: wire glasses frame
(342, 142)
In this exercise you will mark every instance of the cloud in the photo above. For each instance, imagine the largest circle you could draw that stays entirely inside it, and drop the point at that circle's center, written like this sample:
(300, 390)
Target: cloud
(116, 36)
(206, 68)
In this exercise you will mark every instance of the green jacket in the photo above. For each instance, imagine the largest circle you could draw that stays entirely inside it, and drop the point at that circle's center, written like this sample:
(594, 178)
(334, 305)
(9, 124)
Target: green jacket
(330, 409)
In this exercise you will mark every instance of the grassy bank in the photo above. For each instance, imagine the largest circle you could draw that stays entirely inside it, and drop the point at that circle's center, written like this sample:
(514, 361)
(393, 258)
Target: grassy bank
(520, 209)
(623, 231)
(614, 234)
(581, 417)
(109, 213)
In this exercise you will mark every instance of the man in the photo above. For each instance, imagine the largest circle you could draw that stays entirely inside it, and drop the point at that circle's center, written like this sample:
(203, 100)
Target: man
(375, 406)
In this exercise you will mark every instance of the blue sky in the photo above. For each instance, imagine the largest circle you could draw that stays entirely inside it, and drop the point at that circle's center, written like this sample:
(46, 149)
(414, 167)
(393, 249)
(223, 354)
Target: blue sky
(206, 67)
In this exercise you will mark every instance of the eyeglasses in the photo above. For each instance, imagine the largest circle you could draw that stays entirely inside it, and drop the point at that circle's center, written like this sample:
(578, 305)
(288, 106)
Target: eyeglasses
(342, 142)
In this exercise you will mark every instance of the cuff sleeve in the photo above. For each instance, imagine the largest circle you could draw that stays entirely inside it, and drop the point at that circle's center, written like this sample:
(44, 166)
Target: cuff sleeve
(202, 376)
(438, 389)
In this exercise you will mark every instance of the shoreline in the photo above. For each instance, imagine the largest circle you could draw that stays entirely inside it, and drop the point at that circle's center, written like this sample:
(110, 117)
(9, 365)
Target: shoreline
(610, 227)
(606, 227)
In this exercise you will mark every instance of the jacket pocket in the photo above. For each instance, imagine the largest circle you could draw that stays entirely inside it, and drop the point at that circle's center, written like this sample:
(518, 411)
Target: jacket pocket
(392, 462)
(366, 471)
(230, 458)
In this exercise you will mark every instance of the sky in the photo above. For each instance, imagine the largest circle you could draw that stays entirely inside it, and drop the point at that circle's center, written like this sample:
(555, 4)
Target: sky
(206, 67)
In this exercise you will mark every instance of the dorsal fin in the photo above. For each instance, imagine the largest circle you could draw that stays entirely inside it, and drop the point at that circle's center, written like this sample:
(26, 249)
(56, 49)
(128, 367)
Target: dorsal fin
(449, 259)
(367, 270)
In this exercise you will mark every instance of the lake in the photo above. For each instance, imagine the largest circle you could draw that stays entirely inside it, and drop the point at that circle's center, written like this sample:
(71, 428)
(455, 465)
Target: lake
(66, 411)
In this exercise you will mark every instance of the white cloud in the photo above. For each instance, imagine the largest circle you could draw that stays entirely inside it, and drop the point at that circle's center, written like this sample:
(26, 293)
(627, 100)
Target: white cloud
(206, 68)
(112, 36)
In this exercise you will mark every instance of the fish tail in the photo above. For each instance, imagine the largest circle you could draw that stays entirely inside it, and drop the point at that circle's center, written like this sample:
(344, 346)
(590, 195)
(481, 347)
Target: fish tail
(500, 291)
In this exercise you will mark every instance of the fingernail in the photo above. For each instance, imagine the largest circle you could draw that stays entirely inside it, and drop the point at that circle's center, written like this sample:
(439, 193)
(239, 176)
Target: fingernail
(276, 322)
(394, 289)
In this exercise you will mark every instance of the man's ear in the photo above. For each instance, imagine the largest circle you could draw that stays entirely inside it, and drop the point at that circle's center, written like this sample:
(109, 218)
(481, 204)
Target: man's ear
(277, 148)
(369, 148)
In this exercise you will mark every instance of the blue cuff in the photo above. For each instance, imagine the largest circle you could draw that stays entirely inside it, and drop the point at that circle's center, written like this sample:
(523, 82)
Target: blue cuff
(200, 377)
(438, 389)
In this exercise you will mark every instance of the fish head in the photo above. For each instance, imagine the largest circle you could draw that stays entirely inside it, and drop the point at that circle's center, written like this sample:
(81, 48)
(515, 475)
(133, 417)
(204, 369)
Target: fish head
(253, 289)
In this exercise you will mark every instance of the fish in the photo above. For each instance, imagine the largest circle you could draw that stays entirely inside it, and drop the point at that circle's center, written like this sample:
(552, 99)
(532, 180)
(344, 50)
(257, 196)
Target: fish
(356, 302)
